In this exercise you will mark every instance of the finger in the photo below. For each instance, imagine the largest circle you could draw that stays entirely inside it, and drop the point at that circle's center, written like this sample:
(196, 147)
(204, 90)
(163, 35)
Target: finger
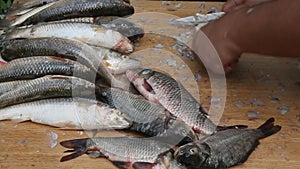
(232, 4)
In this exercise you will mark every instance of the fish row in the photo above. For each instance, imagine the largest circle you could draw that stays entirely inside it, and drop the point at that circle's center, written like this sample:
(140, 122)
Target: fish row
(223, 149)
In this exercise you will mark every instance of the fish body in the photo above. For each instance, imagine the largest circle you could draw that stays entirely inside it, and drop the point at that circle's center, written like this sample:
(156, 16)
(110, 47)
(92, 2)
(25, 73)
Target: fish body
(163, 89)
(50, 86)
(132, 31)
(67, 113)
(225, 148)
(33, 67)
(65, 9)
(95, 35)
(147, 117)
(11, 85)
(125, 152)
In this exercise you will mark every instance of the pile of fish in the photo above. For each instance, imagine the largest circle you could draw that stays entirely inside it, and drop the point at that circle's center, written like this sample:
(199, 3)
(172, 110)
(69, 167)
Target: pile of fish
(62, 58)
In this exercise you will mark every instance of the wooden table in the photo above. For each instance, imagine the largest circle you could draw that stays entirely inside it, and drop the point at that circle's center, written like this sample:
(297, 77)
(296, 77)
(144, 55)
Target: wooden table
(249, 88)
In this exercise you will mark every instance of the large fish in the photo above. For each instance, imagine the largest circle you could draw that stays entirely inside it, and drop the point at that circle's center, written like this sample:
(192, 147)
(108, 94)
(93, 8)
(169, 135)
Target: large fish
(147, 117)
(132, 31)
(165, 90)
(67, 113)
(50, 86)
(94, 57)
(225, 148)
(33, 67)
(92, 34)
(124, 152)
(65, 9)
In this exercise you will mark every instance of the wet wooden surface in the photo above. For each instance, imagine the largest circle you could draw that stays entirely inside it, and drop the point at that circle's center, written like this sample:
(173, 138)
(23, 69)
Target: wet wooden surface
(252, 86)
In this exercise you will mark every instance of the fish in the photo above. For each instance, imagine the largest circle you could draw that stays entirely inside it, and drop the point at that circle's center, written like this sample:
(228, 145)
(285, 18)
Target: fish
(33, 67)
(163, 89)
(224, 149)
(148, 118)
(95, 58)
(67, 113)
(131, 30)
(91, 34)
(124, 152)
(65, 9)
(50, 86)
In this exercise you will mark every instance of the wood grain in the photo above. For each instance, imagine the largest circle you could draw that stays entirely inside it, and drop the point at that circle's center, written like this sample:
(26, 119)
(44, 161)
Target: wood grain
(26, 145)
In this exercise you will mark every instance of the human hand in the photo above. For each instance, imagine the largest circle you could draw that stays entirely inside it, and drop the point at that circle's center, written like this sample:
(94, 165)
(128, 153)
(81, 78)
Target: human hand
(215, 46)
(231, 5)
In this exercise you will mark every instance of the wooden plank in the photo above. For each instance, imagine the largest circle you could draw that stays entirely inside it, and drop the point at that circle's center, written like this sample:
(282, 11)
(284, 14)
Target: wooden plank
(256, 77)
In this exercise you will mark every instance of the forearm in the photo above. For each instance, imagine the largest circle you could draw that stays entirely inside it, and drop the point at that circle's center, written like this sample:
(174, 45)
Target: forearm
(270, 28)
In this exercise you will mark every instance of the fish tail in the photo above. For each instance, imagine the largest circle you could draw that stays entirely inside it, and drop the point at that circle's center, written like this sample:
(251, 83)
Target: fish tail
(222, 128)
(79, 148)
(268, 128)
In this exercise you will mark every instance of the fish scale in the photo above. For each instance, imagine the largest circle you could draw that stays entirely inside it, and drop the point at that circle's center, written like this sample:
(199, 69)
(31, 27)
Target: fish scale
(49, 87)
(33, 67)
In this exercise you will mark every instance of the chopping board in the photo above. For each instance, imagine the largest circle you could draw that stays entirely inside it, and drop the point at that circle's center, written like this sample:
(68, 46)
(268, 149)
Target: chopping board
(260, 84)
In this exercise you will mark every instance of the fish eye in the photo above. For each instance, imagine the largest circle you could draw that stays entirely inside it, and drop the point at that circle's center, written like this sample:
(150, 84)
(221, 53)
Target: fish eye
(184, 132)
(193, 150)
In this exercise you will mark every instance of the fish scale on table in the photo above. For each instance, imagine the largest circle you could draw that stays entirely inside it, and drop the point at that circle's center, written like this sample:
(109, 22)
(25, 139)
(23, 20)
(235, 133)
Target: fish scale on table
(165, 90)
(50, 86)
(33, 67)
(91, 34)
(147, 117)
(67, 113)
(65, 9)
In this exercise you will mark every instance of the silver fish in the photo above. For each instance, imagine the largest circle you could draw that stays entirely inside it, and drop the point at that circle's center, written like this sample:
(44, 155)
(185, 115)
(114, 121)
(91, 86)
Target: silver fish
(147, 117)
(165, 90)
(50, 86)
(89, 33)
(67, 113)
(132, 31)
(65, 9)
(33, 67)
(124, 152)
(225, 148)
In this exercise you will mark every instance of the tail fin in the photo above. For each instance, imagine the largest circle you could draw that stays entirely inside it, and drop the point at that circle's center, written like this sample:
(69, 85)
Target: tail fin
(79, 148)
(222, 128)
(268, 128)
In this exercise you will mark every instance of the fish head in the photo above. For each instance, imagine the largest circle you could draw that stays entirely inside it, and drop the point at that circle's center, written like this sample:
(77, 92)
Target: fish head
(140, 78)
(182, 133)
(192, 154)
(118, 64)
